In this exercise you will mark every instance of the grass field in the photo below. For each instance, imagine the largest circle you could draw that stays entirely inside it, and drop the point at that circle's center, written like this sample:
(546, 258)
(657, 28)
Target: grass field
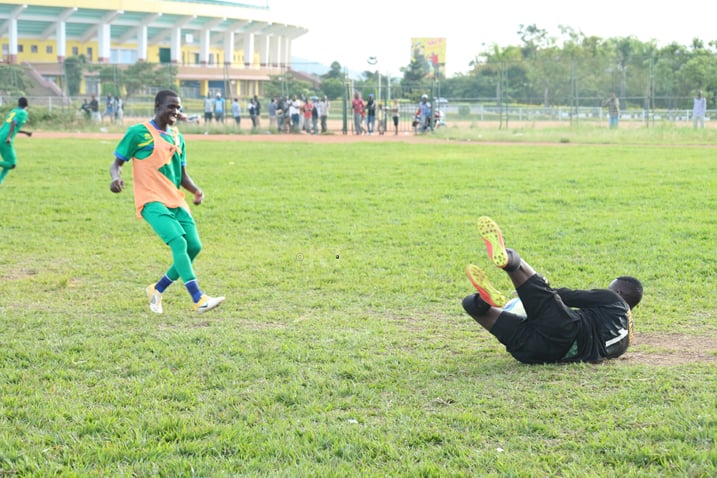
(342, 348)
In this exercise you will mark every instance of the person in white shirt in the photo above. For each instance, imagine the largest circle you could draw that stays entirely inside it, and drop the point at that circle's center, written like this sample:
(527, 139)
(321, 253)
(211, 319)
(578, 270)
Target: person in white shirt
(236, 112)
(294, 111)
(698, 110)
(208, 109)
(323, 110)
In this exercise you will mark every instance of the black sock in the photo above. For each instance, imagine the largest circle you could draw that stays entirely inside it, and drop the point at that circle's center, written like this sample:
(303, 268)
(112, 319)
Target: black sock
(513, 261)
(475, 306)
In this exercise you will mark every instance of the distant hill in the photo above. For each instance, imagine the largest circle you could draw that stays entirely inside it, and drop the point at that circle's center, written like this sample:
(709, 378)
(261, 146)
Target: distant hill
(315, 68)
(307, 66)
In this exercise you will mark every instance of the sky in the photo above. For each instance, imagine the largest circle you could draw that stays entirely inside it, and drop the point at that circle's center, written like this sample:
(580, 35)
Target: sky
(352, 32)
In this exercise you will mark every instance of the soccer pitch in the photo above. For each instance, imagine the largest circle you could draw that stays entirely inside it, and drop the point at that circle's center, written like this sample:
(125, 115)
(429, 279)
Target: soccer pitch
(342, 348)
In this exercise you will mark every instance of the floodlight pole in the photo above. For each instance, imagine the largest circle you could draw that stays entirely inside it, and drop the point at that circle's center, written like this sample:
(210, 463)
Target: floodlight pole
(373, 61)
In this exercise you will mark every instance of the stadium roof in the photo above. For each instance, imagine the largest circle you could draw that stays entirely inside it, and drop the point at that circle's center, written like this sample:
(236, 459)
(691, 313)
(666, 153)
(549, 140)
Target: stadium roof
(39, 19)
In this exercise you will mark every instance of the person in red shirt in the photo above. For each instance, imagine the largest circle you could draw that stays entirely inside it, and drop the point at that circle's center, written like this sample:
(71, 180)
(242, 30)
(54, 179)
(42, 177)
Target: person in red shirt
(358, 107)
(307, 108)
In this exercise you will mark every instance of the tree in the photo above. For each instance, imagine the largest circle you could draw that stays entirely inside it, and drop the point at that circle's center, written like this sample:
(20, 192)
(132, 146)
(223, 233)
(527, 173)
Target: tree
(13, 80)
(333, 88)
(335, 72)
(415, 75)
(533, 38)
(142, 74)
(74, 70)
(287, 85)
(698, 73)
(110, 79)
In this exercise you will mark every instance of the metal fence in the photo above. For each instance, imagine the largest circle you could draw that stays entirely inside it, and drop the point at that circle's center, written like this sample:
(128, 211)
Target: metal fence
(451, 114)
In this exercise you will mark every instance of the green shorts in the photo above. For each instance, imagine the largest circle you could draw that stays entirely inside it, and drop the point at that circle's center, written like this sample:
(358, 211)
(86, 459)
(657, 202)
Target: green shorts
(8, 154)
(170, 223)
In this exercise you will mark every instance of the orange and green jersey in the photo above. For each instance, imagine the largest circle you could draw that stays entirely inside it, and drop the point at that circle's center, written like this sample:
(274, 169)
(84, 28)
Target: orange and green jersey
(157, 161)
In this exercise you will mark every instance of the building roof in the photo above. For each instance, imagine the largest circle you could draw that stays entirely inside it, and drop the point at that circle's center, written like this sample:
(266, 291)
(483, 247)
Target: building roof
(38, 19)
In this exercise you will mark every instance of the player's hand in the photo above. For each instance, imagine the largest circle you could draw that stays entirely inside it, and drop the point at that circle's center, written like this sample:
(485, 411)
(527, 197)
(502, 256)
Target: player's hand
(198, 197)
(117, 186)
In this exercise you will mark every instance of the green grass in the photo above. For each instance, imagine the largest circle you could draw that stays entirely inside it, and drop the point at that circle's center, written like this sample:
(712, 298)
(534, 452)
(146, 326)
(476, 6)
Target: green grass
(342, 348)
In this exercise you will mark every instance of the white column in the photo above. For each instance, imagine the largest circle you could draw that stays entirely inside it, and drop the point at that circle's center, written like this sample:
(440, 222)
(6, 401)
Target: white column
(286, 52)
(248, 49)
(228, 47)
(274, 50)
(176, 46)
(263, 50)
(142, 43)
(204, 41)
(12, 40)
(61, 41)
(103, 43)
(279, 50)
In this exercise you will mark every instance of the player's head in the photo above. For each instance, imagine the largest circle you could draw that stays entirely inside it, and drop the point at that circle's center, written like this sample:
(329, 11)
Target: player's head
(167, 106)
(629, 288)
(22, 102)
(162, 96)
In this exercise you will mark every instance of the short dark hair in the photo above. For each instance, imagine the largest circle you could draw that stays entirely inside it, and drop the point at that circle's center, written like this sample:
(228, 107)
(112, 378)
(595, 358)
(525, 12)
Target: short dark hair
(22, 102)
(629, 288)
(159, 98)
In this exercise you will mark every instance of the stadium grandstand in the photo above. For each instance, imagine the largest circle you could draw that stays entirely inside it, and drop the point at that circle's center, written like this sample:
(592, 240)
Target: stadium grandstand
(212, 43)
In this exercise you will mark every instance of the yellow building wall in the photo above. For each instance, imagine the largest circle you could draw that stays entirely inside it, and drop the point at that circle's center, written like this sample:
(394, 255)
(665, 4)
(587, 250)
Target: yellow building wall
(36, 51)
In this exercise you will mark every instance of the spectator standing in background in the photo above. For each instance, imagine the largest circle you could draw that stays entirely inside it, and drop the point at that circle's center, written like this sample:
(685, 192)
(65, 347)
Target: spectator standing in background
(208, 109)
(323, 109)
(252, 112)
(699, 109)
(307, 109)
(272, 114)
(613, 110)
(219, 108)
(257, 107)
(357, 105)
(236, 112)
(395, 113)
(370, 114)
(295, 113)
(314, 115)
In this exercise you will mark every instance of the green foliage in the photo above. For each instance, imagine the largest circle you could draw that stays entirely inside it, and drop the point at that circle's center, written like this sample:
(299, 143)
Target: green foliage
(46, 118)
(74, 67)
(288, 85)
(335, 72)
(13, 80)
(574, 67)
(417, 70)
(342, 349)
(333, 88)
(112, 79)
(132, 80)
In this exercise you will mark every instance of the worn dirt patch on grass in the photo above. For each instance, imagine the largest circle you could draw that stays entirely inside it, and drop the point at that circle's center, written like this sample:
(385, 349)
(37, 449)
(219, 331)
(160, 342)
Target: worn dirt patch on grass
(671, 349)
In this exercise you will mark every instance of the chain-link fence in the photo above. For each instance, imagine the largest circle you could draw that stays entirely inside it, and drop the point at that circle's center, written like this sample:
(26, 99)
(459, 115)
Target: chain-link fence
(447, 113)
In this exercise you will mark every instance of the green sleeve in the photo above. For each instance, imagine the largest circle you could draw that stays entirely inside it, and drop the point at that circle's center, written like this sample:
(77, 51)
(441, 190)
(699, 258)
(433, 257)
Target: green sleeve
(136, 143)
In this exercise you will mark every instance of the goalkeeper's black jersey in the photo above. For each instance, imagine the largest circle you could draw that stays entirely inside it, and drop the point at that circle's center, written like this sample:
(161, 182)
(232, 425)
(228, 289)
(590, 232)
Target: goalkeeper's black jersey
(606, 323)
